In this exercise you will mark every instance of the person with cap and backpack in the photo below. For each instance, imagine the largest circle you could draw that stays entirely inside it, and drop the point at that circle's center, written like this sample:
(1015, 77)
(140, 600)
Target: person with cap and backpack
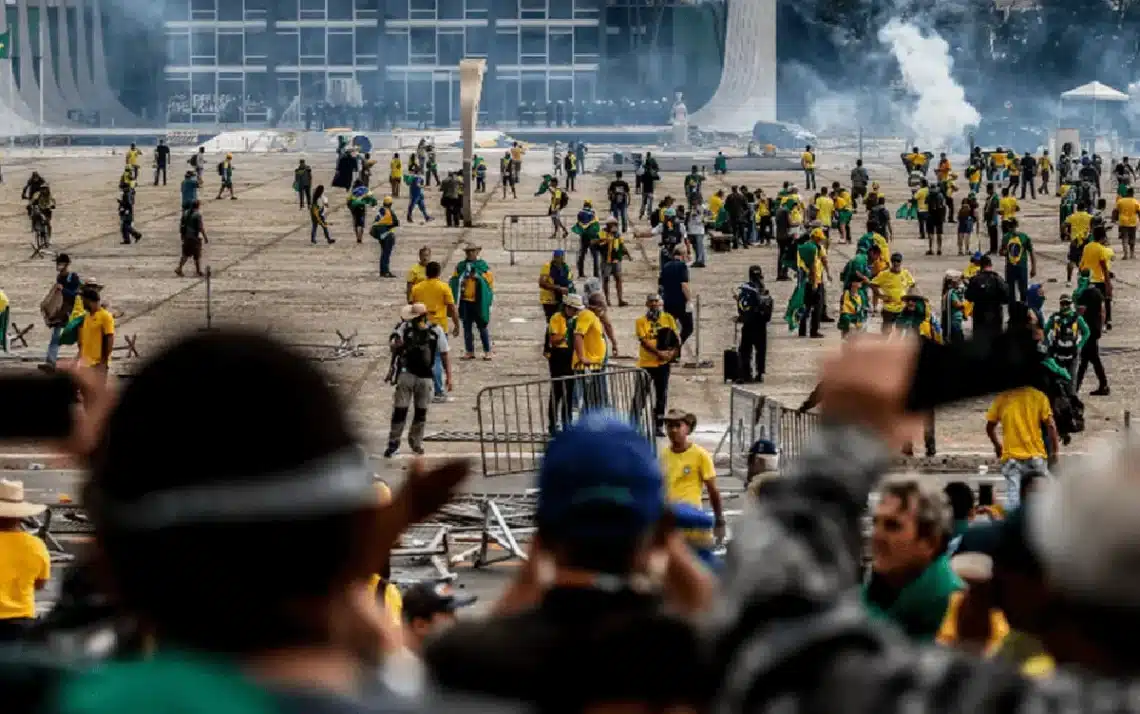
(1066, 333)
(415, 341)
(754, 308)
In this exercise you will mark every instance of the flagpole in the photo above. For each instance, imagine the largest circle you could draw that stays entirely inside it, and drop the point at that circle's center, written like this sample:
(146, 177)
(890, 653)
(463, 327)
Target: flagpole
(41, 82)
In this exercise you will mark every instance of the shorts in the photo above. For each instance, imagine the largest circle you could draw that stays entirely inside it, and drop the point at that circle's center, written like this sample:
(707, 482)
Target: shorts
(358, 219)
(1075, 252)
(1128, 235)
(858, 191)
(613, 269)
(966, 225)
(191, 247)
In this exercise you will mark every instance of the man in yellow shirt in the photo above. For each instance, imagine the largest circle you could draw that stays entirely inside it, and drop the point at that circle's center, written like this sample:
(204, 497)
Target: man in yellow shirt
(1077, 228)
(1127, 214)
(1097, 260)
(658, 336)
(589, 341)
(133, 162)
(25, 566)
(517, 152)
(96, 337)
(890, 286)
(436, 296)
(1008, 206)
(807, 162)
(418, 272)
(825, 209)
(689, 469)
(922, 208)
(555, 282)
(1022, 413)
(395, 175)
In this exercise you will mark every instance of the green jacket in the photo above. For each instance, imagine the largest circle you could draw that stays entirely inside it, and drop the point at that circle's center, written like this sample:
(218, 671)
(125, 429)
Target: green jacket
(921, 606)
(484, 294)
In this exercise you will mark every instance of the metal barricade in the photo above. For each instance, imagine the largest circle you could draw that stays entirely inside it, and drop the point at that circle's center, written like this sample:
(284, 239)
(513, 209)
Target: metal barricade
(796, 428)
(517, 420)
(530, 234)
(755, 416)
(752, 417)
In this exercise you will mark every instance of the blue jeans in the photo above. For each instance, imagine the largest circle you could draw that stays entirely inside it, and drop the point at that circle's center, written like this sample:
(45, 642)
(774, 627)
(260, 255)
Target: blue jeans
(418, 201)
(53, 346)
(437, 375)
(387, 245)
(698, 241)
(469, 314)
(622, 214)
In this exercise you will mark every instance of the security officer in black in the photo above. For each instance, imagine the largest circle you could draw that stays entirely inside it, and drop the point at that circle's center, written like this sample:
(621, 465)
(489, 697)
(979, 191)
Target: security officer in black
(754, 311)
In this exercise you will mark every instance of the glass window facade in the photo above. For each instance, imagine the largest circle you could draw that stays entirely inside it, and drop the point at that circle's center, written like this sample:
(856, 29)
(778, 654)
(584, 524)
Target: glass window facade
(405, 51)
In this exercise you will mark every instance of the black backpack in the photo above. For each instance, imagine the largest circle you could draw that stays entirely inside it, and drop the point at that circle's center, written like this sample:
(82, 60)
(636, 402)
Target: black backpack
(935, 201)
(221, 168)
(417, 353)
(563, 200)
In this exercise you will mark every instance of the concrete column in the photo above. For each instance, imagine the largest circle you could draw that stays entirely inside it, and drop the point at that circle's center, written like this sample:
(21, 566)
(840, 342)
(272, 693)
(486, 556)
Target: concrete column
(18, 116)
(53, 99)
(65, 74)
(110, 110)
(747, 90)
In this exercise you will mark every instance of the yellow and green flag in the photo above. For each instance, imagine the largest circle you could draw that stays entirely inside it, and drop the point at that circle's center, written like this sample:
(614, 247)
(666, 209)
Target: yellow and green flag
(5, 44)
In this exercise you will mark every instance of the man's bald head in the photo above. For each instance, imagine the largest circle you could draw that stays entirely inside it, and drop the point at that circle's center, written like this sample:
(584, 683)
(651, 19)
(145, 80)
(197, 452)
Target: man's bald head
(597, 300)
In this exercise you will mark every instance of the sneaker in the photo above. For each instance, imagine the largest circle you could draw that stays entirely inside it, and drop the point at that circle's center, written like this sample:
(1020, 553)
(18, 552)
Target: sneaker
(419, 450)
(1100, 392)
(393, 447)
(332, 240)
(441, 399)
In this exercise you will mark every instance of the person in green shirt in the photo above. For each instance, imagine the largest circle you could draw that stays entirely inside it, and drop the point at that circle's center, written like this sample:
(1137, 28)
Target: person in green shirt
(1020, 261)
(953, 307)
(911, 582)
(1066, 333)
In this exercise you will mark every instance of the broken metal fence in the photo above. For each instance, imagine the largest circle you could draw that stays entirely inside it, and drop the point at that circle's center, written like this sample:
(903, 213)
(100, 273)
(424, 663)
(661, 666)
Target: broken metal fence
(531, 234)
(754, 417)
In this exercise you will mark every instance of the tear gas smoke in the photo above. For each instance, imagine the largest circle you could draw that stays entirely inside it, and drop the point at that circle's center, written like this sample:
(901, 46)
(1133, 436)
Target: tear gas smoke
(939, 114)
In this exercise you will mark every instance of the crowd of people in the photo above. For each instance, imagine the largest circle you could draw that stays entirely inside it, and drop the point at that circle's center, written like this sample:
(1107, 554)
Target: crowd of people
(224, 108)
(963, 602)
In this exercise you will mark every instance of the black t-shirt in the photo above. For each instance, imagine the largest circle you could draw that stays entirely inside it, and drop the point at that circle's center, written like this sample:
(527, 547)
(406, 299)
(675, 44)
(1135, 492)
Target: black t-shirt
(577, 647)
(673, 275)
(989, 294)
(1089, 303)
(162, 154)
(619, 192)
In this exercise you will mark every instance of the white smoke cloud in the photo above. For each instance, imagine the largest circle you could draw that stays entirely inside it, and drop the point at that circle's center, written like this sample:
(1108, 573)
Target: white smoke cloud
(940, 113)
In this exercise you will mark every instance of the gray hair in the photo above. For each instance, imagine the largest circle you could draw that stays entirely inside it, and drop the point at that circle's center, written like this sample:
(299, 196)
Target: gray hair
(930, 504)
(1084, 526)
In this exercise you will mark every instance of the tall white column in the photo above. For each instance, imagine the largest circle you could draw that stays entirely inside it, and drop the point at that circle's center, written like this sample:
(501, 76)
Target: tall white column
(747, 90)
(17, 116)
(110, 109)
(64, 72)
(54, 100)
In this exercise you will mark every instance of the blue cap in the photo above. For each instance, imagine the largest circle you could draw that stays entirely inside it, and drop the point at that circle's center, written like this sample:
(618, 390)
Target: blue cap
(600, 464)
(690, 517)
(976, 257)
(559, 253)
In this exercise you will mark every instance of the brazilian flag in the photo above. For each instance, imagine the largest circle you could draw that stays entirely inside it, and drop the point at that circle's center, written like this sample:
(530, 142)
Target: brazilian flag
(5, 44)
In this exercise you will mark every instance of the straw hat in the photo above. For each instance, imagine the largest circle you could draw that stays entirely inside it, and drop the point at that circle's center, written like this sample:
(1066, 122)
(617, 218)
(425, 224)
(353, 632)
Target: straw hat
(573, 301)
(411, 312)
(12, 503)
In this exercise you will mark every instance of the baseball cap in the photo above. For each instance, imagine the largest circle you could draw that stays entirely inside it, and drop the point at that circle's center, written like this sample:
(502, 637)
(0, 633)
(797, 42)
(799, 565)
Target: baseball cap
(559, 253)
(896, 256)
(1005, 542)
(425, 600)
(600, 477)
